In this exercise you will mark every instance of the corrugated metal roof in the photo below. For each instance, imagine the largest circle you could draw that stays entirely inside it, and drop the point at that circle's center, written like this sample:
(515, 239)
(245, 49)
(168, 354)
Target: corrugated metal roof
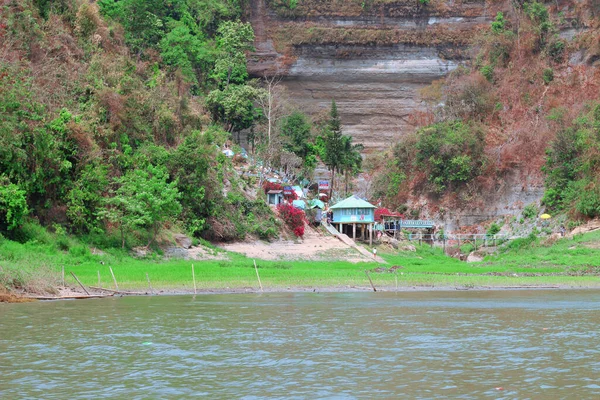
(274, 191)
(353, 202)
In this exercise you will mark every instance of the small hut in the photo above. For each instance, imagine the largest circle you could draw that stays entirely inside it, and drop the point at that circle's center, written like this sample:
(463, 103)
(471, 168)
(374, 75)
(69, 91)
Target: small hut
(354, 212)
(274, 197)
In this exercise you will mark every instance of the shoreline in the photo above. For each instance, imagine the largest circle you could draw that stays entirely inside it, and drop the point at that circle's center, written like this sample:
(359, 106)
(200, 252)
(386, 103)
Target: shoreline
(74, 294)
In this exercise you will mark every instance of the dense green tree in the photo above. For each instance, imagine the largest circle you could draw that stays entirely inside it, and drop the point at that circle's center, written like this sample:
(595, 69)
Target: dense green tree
(234, 106)
(85, 198)
(450, 153)
(144, 199)
(333, 144)
(296, 131)
(352, 159)
(190, 166)
(13, 205)
(233, 40)
(185, 51)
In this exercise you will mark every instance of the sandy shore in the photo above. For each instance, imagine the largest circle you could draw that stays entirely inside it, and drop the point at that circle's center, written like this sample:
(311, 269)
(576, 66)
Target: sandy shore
(314, 246)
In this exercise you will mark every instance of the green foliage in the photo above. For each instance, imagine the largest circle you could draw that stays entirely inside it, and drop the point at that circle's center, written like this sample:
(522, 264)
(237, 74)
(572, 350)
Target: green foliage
(548, 75)
(424, 2)
(337, 150)
(234, 38)
(450, 153)
(191, 166)
(84, 199)
(556, 50)
(297, 133)
(493, 229)
(234, 106)
(572, 165)
(488, 72)
(530, 211)
(184, 51)
(499, 23)
(78, 139)
(539, 15)
(13, 205)
(523, 243)
(144, 199)
(332, 140)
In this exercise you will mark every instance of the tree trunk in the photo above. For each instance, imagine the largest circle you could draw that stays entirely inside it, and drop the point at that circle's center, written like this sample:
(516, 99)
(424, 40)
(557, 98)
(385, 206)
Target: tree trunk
(346, 178)
(332, 182)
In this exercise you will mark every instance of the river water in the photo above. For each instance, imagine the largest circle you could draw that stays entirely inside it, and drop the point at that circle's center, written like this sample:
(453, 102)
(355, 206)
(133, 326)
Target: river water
(414, 345)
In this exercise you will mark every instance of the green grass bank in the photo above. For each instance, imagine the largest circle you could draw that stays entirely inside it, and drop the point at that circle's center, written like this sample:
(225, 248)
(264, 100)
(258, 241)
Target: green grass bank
(36, 266)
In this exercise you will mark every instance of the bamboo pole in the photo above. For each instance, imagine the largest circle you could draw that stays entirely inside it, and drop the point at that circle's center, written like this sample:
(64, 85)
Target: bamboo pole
(149, 285)
(194, 278)
(80, 284)
(258, 276)
(114, 279)
(368, 276)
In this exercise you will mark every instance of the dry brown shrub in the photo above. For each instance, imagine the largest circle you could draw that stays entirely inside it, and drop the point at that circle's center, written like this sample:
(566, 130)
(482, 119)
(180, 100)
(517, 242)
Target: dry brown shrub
(83, 139)
(470, 96)
(87, 20)
(420, 119)
(114, 104)
(220, 229)
(238, 159)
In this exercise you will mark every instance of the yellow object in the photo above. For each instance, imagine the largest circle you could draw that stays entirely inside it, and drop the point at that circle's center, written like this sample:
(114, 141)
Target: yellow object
(545, 216)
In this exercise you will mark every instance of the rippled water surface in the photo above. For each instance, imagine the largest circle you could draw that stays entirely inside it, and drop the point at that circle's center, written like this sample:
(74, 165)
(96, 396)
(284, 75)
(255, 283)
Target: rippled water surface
(501, 344)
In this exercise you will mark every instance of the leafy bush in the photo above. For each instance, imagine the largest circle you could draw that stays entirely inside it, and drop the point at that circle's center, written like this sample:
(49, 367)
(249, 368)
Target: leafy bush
(572, 165)
(530, 211)
(13, 205)
(499, 23)
(556, 50)
(488, 72)
(548, 75)
(522, 243)
(493, 229)
(450, 153)
(540, 17)
(293, 217)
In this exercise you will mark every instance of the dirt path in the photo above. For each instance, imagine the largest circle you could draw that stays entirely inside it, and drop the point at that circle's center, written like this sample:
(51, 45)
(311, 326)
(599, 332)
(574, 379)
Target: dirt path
(315, 246)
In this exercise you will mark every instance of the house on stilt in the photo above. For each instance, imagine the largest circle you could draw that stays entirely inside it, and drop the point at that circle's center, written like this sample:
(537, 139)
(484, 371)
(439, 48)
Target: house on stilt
(354, 214)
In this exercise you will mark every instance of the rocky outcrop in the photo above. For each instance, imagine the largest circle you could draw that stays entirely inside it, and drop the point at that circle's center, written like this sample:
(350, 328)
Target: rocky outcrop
(372, 57)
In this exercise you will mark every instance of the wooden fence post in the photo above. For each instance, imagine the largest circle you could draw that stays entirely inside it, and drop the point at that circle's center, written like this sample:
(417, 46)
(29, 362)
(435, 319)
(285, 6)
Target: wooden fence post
(80, 284)
(114, 279)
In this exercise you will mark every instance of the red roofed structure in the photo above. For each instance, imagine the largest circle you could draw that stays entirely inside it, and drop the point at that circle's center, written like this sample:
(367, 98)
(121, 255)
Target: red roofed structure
(384, 212)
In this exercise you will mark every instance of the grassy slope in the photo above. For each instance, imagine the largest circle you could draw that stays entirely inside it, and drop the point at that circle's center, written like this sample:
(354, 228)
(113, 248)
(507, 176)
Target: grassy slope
(569, 262)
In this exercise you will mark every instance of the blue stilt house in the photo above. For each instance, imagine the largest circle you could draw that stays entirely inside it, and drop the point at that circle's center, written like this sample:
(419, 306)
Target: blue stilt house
(354, 212)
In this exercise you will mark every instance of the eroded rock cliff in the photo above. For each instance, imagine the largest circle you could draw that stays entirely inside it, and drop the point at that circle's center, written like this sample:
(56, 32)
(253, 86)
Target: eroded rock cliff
(372, 56)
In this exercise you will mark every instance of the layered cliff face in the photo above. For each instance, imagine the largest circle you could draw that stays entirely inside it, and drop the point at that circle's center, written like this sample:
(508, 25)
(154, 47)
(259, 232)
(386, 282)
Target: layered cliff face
(374, 56)
(371, 56)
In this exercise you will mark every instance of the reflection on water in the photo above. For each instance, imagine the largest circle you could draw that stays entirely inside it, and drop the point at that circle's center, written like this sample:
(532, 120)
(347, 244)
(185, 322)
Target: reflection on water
(502, 344)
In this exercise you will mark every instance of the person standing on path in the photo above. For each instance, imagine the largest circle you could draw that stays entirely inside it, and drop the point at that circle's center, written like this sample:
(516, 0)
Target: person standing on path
(374, 252)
